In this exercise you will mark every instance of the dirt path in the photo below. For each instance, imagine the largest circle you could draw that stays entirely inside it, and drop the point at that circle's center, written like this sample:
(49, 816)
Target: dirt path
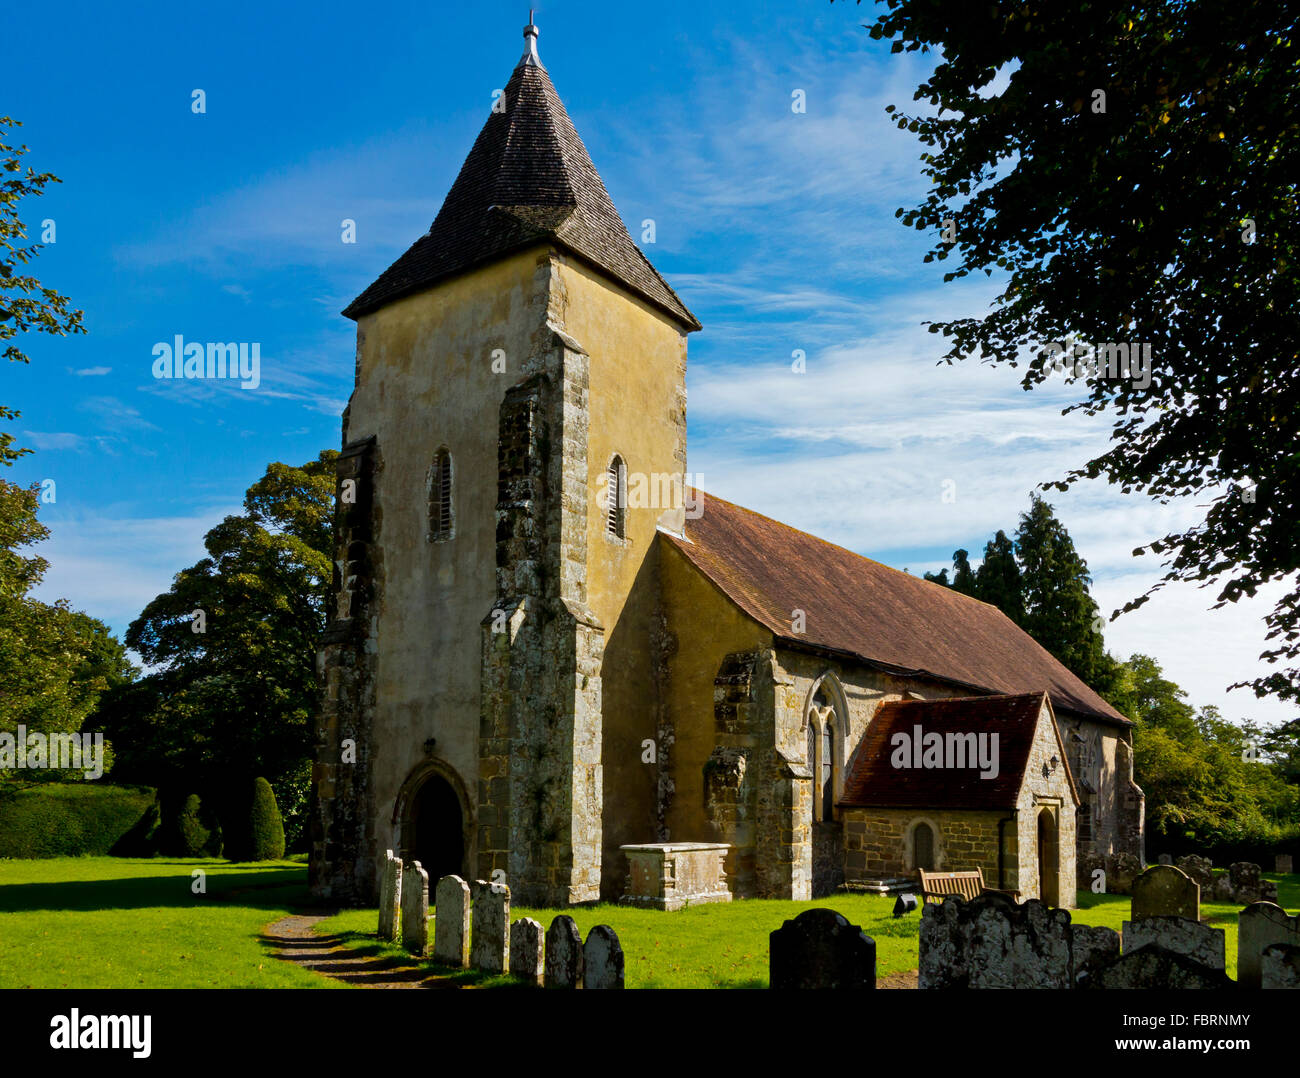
(294, 941)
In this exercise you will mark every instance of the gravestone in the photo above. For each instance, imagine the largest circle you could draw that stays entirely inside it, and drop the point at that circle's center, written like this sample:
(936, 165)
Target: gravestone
(1121, 870)
(390, 898)
(1244, 883)
(563, 966)
(526, 947)
(490, 947)
(1282, 862)
(1281, 966)
(1165, 859)
(1091, 948)
(415, 909)
(1199, 869)
(820, 949)
(994, 942)
(1165, 891)
(1178, 935)
(1154, 967)
(1260, 925)
(451, 922)
(602, 959)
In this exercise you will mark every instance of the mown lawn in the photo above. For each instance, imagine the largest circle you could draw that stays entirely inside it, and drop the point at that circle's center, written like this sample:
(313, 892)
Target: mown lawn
(108, 922)
(726, 945)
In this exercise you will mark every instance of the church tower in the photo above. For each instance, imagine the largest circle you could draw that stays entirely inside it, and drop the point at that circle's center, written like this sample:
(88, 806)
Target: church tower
(489, 679)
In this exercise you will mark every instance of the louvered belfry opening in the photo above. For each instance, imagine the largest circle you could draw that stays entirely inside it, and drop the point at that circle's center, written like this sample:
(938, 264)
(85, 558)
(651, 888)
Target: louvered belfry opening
(615, 498)
(440, 518)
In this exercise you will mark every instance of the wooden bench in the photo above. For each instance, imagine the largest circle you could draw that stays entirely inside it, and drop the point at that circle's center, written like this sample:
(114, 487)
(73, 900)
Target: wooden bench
(935, 886)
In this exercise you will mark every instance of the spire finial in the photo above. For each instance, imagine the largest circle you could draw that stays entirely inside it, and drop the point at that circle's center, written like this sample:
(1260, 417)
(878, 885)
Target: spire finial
(530, 56)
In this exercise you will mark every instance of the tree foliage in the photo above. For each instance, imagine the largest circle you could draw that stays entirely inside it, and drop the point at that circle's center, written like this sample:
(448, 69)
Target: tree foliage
(55, 662)
(25, 304)
(1135, 180)
(233, 644)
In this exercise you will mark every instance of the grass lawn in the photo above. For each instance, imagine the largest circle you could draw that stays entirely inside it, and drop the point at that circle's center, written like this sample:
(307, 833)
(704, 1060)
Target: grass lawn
(725, 945)
(109, 922)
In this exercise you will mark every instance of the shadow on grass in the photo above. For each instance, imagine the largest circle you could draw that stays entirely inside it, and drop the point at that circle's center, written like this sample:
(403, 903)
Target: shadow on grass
(360, 959)
(267, 888)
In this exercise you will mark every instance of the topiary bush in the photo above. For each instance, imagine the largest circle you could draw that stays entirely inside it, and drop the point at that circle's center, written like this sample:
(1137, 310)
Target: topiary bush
(265, 828)
(56, 819)
(194, 838)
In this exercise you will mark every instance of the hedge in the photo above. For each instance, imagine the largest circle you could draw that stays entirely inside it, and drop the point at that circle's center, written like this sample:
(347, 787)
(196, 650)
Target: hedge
(266, 829)
(73, 819)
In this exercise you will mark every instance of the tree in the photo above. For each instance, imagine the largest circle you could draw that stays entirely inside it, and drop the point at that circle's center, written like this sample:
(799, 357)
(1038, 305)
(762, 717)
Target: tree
(25, 304)
(234, 644)
(998, 580)
(1136, 181)
(55, 662)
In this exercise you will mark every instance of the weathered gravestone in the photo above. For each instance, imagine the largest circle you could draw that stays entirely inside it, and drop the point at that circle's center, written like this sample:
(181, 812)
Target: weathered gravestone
(1281, 966)
(1244, 883)
(602, 959)
(1091, 947)
(1282, 862)
(563, 967)
(390, 897)
(820, 949)
(1165, 859)
(994, 942)
(1199, 869)
(1121, 870)
(1260, 925)
(415, 909)
(1165, 891)
(526, 946)
(1178, 935)
(490, 948)
(1154, 967)
(451, 922)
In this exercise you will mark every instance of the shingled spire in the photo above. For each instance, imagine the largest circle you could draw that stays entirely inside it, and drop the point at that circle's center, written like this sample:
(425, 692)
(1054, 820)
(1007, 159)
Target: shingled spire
(527, 180)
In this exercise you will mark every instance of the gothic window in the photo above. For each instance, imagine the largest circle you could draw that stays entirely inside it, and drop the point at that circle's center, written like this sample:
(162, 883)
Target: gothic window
(440, 503)
(616, 499)
(823, 762)
(923, 847)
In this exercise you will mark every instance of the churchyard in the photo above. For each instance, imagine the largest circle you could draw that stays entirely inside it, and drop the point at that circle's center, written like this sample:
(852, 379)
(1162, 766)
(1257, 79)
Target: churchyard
(189, 923)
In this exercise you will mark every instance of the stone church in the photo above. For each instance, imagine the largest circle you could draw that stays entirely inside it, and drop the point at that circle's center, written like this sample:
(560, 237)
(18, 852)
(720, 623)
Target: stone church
(546, 646)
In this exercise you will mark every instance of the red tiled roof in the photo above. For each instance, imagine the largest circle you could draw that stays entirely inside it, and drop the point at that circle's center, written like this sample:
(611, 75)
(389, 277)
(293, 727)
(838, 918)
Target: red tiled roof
(528, 179)
(885, 617)
(874, 782)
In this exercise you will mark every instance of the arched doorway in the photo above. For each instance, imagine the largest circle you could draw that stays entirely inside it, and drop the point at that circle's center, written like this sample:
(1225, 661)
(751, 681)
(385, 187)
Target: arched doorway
(434, 831)
(1049, 859)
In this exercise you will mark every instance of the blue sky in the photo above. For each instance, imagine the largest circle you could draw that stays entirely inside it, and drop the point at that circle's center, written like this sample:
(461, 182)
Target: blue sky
(777, 228)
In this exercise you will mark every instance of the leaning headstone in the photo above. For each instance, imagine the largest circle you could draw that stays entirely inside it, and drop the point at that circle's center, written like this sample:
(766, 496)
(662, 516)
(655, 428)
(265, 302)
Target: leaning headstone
(1281, 966)
(1200, 869)
(1165, 891)
(563, 968)
(994, 942)
(1154, 967)
(1121, 870)
(1282, 863)
(451, 922)
(415, 909)
(1165, 859)
(602, 959)
(490, 948)
(820, 949)
(390, 897)
(1260, 925)
(526, 946)
(1092, 947)
(1178, 935)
